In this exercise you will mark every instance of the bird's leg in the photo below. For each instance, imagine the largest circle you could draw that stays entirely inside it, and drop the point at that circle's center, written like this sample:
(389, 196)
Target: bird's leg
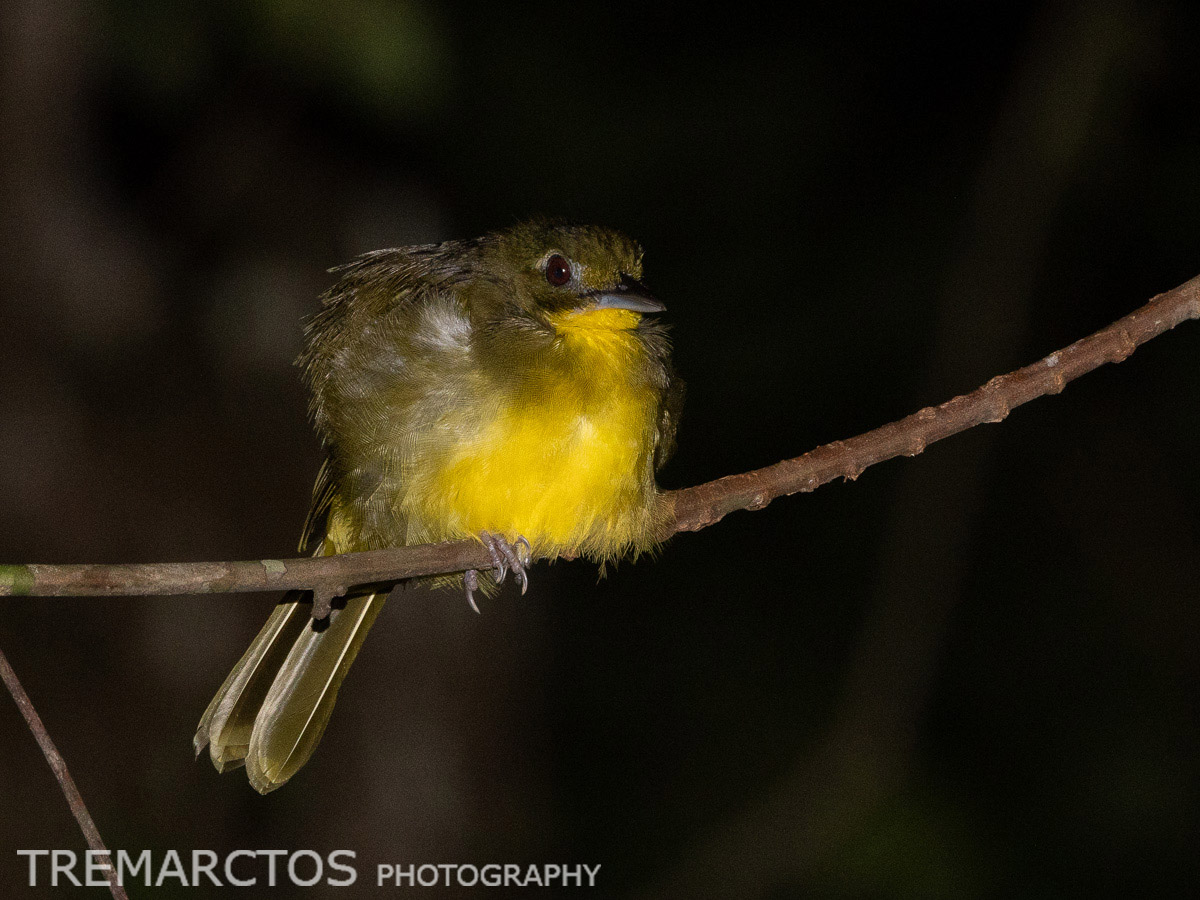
(507, 556)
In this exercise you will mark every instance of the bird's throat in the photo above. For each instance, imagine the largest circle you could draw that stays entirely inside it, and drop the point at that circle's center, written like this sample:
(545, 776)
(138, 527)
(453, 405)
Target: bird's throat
(595, 320)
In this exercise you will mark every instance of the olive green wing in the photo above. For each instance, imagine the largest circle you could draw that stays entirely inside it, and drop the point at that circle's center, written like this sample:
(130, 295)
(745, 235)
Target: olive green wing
(668, 419)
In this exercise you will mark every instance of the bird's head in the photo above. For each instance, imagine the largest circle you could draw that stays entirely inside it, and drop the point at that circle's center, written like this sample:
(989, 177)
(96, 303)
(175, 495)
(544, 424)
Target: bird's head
(566, 277)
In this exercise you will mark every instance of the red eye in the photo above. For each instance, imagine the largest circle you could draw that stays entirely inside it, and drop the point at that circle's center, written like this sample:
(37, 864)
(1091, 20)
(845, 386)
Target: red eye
(558, 270)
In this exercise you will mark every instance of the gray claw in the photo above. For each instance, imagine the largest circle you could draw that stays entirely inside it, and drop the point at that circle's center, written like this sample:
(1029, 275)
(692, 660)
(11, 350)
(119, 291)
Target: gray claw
(499, 566)
(471, 582)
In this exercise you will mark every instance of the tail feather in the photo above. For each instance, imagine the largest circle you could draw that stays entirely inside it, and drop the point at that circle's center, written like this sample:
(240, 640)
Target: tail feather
(271, 711)
(228, 723)
(297, 707)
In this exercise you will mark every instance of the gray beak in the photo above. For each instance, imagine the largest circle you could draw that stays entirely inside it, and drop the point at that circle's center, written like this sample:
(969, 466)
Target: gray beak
(628, 294)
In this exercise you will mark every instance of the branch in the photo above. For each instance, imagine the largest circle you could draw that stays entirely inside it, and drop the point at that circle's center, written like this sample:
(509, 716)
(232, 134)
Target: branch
(59, 766)
(693, 508)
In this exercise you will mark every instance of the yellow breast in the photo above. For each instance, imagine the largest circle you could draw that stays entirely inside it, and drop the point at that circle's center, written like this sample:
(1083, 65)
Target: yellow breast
(564, 462)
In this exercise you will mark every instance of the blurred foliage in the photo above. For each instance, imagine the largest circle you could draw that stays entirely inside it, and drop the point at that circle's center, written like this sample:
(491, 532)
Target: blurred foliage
(390, 57)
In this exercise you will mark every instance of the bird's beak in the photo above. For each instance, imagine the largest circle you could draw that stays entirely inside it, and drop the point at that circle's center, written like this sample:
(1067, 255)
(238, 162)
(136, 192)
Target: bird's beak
(629, 294)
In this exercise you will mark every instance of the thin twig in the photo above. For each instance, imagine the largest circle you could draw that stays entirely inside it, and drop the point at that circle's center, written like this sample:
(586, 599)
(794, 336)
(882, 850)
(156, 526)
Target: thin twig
(693, 508)
(59, 766)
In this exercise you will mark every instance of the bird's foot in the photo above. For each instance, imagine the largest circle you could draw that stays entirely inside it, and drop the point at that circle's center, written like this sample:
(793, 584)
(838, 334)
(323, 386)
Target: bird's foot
(506, 557)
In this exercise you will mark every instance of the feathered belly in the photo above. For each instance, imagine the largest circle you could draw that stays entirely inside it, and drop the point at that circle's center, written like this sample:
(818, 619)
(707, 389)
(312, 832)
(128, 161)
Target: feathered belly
(570, 477)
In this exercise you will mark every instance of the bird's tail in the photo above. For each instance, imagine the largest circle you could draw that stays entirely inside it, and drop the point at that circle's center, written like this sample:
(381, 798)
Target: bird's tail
(271, 711)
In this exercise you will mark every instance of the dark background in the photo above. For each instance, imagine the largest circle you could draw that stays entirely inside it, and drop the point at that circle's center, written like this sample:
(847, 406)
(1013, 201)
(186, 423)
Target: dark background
(969, 674)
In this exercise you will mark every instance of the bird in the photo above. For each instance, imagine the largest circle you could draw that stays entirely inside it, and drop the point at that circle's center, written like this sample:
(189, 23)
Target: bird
(515, 388)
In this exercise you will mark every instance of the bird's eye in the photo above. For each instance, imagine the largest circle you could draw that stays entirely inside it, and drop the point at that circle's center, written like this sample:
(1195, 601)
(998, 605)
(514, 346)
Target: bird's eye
(558, 270)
